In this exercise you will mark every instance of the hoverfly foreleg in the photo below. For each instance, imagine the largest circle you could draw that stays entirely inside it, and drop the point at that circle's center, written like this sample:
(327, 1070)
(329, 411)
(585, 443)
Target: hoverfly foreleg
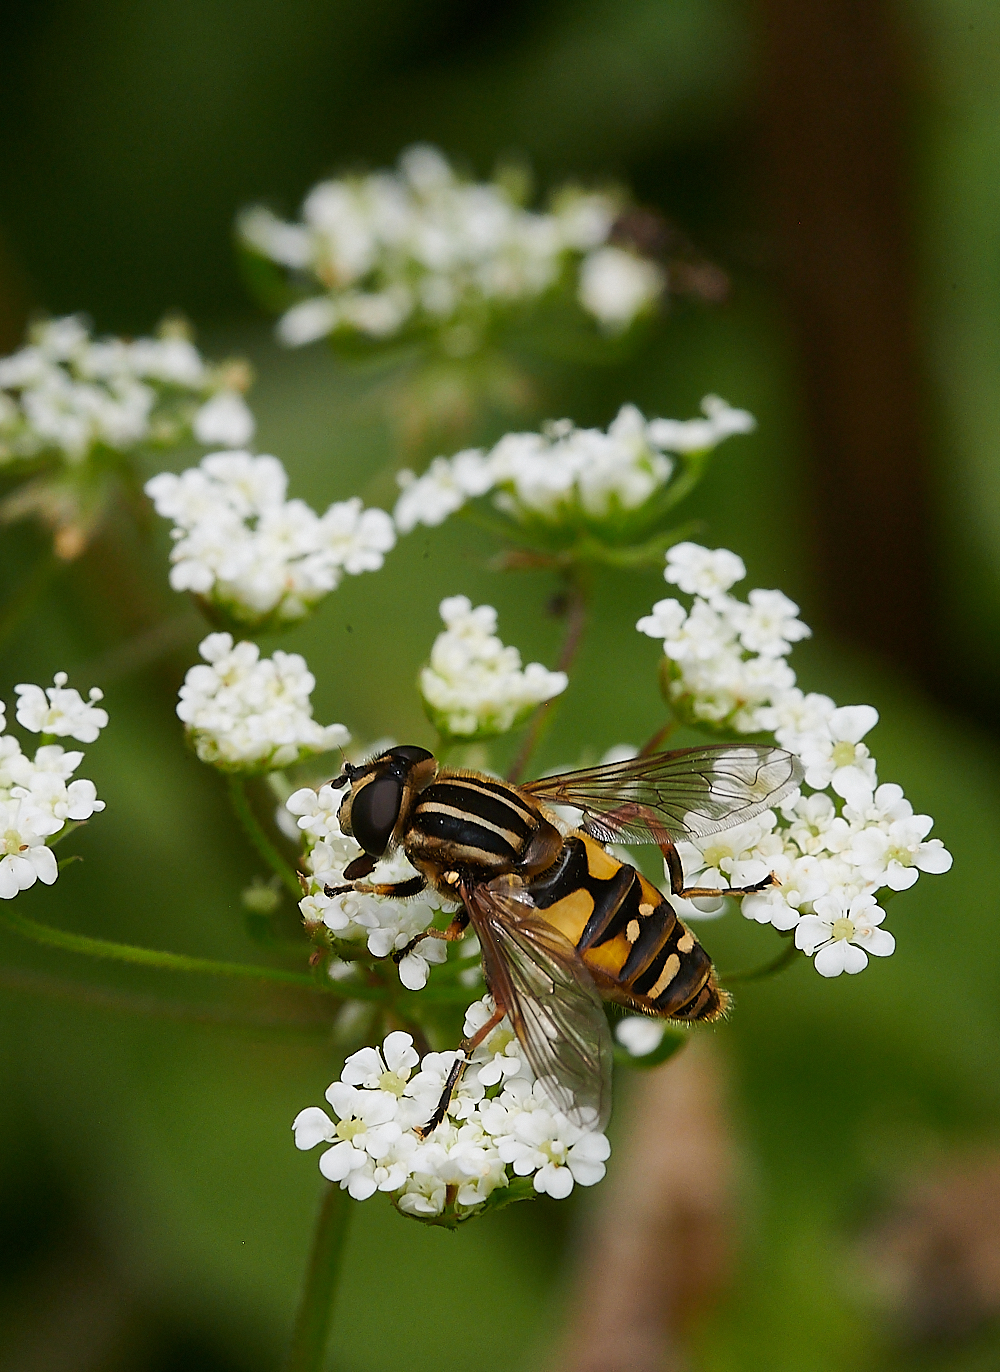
(454, 931)
(465, 1050)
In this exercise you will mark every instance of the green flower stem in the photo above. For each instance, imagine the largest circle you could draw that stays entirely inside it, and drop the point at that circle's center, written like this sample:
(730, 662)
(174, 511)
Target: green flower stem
(307, 1350)
(255, 833)
(576, 623)
(153, 957)
(181, 962)
(784, 959)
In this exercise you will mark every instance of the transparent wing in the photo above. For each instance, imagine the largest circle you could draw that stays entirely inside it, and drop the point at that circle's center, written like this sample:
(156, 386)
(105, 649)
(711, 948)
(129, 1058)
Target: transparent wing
(688, 793)
(555, 1009)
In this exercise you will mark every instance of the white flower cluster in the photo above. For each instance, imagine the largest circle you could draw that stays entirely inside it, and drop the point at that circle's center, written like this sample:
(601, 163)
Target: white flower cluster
(832, 847)
(37, 797)
(245, 713)
(255, 554)
(566, 474)
(500, 1126)
(421, 248)
(69, 393)
(383, 924)
(474, 685)
(726, 657)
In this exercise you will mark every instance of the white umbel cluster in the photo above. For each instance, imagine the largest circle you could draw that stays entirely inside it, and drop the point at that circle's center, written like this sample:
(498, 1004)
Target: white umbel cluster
(500, 1126)
(565, 475)
(257, 555)
(245, 713)
(420, 248)
(67, 393)
(474, 685)
(38, 797)
(832, 845)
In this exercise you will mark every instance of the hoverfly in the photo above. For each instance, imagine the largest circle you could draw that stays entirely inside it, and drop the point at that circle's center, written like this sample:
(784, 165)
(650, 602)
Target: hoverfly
(560, 921)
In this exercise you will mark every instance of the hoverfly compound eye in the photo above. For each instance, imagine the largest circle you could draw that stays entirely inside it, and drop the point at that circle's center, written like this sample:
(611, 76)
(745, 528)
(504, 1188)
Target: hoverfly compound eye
(409, 753)
(374, 812)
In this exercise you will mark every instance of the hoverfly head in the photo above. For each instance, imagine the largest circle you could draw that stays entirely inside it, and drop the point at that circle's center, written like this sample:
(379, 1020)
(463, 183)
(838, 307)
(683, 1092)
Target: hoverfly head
(375, 809)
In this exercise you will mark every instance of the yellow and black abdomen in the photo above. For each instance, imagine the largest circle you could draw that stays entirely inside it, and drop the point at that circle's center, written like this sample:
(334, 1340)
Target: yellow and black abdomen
(635, 947)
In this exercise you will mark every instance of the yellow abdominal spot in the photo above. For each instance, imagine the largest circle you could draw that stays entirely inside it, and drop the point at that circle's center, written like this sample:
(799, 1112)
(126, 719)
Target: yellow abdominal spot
(843, 928)
(393, 1082)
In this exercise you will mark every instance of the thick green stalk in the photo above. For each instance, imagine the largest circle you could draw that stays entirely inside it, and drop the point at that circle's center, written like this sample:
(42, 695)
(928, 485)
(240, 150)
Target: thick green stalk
(181, 962)
(153, 957)
(311, 1334)
(255, 833)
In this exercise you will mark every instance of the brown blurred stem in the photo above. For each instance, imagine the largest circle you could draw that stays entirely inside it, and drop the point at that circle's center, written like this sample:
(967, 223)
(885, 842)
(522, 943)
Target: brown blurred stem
(312, 1323)
(657, 1248)
(576, 622)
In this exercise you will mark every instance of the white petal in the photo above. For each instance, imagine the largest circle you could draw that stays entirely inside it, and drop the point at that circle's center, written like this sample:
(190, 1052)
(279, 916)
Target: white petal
(831, 959)
(313, 1126)
(339, 1161)
(851, 722)
(933, 857)
(855, 958)
(880, 943)
(810, 932)
(43, 860)
(413, 971)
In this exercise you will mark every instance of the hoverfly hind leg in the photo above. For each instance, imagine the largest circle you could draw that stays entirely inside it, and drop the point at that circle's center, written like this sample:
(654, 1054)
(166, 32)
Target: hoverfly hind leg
(675, 871)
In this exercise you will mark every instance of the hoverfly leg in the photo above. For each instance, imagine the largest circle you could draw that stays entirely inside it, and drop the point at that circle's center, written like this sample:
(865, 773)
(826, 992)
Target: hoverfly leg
(398, 890)
(465, 1050)
(697, 892)
(454, 931)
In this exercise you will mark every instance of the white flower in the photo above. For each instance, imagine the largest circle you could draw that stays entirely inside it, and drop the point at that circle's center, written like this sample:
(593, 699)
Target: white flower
(640, 1035)
(226, 420)
(842, 936)
(25, 858)
(474, 685)
(60, 710)
(534, 1138)
(769, 624)
(697, 435)
(388, 1070)
(243, 712)
(562, 475)
(254, 553)
(702, 571)
(482, 1142)
(68, 394)
(421, 248)
(890, 850)
(444, 488)
(835, 756)
(617, 286)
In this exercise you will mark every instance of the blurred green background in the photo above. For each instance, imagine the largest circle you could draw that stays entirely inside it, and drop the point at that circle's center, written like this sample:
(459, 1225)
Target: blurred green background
(153, 1214)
